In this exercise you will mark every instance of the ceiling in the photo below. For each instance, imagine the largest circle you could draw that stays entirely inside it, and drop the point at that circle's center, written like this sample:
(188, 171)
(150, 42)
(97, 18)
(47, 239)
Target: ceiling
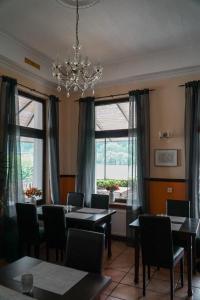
(125, 33)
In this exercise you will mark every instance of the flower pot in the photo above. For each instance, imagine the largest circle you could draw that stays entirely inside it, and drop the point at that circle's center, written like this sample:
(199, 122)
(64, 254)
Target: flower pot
(111, 197)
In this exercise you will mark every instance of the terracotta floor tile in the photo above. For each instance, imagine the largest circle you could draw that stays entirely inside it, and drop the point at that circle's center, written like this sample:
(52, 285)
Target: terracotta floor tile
(126, 292)
(110, 288)
(196, 281)
(112, 298)
(160, 286)
(116, 275)
(129, 280)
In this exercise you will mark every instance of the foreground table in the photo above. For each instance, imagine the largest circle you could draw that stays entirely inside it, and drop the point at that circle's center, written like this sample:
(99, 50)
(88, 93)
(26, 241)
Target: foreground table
(87, 288)
(89, 223)
(188, 231)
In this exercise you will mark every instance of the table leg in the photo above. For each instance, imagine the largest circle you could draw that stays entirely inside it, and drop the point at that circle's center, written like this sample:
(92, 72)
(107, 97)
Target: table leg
(137, 256)
(194, 254)
(108, 223)
(189, 265)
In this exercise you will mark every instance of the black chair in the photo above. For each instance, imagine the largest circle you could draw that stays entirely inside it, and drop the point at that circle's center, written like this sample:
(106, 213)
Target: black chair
(54, 229)
(30, 233)
(157, 247)
(180, 208)
(84, 250)
(75, 199)
(102, 202)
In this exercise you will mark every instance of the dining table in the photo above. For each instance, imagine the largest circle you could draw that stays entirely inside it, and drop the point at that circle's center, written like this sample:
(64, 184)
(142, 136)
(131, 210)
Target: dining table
(87, 218)
(187, 229)
(87, 287)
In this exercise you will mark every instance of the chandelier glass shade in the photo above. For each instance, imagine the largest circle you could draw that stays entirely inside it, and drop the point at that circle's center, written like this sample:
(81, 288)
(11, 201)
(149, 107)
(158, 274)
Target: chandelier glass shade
(76, 73)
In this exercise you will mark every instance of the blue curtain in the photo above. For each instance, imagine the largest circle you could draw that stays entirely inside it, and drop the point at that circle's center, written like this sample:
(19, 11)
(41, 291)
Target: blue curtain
(53, 147)
(11, 190)
(192, 144)
(139, 149)
(85, 182)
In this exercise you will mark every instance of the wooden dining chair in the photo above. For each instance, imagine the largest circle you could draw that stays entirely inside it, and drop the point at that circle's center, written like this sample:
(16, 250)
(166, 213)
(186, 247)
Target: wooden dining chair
(75, 199)
(180, 208)
(84, 250)
(158, 249)
(102, 202)
(54, 229)
(30, 233)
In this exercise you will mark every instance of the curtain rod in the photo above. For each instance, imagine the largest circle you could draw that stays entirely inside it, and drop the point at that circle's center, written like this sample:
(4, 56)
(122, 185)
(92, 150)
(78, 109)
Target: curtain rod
(112, 96)
(32, 90)
(180, 85)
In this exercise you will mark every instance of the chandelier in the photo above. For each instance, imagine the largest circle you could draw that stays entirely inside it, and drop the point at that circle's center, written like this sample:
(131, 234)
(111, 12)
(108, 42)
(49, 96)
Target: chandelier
(76, 72)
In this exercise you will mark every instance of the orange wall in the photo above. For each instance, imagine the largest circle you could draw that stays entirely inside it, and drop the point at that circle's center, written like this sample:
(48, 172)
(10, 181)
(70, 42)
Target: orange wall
(67, 184)
(158, 194)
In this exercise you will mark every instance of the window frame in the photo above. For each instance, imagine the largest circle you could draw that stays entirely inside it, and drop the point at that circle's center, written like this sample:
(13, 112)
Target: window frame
(106, 134)
(38, 134)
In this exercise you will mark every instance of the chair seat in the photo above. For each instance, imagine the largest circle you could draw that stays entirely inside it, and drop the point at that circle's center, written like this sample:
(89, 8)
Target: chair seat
(178, 252)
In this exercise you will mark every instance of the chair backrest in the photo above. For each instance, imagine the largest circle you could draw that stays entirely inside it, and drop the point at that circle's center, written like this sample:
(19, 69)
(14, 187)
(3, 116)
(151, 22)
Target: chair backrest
(27, 222)
(100, 201)
(84, 250)
(54, 226)
(180, 208)
(156, 240)
(75, 199)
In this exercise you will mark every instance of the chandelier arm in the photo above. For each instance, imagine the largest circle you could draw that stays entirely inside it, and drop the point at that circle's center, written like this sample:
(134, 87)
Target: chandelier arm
(77, 23)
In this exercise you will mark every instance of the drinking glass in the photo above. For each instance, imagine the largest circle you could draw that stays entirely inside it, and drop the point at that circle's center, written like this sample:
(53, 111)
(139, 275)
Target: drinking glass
(27, 284)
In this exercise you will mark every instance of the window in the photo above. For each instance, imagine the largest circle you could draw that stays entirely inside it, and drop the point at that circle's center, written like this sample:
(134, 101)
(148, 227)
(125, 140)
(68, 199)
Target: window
(112, 146)
(32, 140)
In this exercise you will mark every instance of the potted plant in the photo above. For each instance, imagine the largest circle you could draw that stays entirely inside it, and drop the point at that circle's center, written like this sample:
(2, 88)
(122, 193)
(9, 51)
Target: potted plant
(111, 187)
(32, 193)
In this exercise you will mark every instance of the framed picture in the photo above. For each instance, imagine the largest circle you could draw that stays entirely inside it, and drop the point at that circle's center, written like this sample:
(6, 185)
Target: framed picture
(166, 157)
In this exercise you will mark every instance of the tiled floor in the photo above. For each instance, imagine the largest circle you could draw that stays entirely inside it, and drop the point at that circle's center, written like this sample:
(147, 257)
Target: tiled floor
(120, 268)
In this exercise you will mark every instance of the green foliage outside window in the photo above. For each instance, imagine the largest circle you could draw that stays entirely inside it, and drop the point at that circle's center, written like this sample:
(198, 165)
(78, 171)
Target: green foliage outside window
(103, 183)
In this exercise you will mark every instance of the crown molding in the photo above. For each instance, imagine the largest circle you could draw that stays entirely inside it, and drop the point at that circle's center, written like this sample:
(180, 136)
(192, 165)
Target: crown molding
(12, 66)
(152, 76)
(10, 38)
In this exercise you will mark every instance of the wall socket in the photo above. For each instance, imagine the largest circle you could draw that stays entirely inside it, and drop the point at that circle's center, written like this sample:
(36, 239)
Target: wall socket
(169, 190)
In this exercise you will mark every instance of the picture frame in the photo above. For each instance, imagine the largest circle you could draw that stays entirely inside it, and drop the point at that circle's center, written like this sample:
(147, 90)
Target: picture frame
(166, 157)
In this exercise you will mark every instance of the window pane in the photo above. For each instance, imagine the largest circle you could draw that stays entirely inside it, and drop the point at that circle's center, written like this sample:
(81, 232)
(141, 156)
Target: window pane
(117, 158)
(112, 165)
(112, 116)
(30, 113)
(32, 162)
(100, 158)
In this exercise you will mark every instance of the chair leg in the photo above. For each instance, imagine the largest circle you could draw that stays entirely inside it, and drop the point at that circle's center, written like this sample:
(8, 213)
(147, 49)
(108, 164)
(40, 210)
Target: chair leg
(61, 255)
(29, 249)
(181, 272)
(57, 252)
(144, 279)
(171, 283)
(149, 271)
(47, 253)
(37, 251)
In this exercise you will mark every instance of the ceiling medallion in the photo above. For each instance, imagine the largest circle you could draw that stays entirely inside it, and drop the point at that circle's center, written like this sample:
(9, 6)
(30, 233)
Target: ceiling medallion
(76, 72)
(82, 3)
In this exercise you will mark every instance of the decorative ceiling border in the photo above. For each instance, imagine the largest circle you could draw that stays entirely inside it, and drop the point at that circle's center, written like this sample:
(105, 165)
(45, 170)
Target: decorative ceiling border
(13, 67)
(152, 76)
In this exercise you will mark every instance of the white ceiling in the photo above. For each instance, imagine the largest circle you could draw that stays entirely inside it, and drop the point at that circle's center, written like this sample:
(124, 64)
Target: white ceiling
(113, 32)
